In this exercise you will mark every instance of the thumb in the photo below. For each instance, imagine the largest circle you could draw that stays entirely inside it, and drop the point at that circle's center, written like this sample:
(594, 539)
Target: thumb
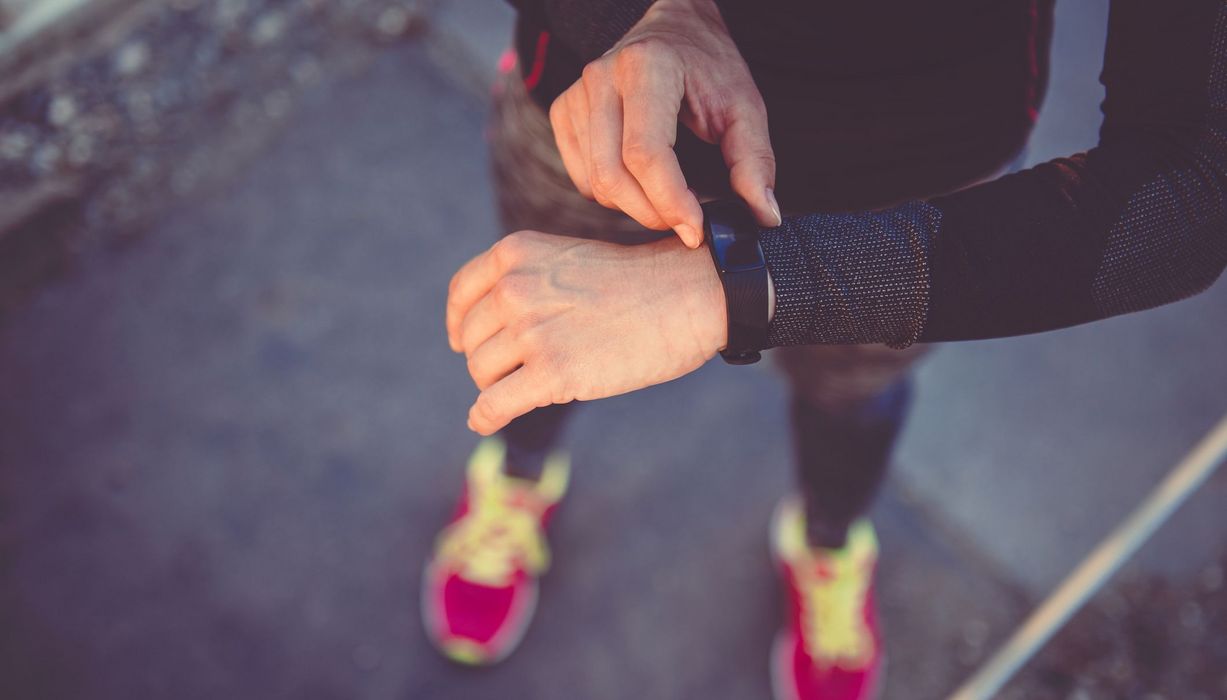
(747, 152)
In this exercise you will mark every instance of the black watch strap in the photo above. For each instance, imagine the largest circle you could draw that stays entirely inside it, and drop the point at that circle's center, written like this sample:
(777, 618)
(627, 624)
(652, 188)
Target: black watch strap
(732, 237)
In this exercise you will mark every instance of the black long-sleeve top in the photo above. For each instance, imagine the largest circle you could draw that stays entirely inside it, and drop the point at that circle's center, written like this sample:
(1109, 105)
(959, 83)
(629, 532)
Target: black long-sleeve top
(952, 88)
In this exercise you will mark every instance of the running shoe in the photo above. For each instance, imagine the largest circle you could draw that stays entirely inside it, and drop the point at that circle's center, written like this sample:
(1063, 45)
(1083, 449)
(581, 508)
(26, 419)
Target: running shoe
(830, 647)
(479, 589)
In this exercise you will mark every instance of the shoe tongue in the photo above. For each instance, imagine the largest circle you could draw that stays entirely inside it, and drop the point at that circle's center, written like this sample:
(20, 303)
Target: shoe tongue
(858, 552)
(524, 498)
(516, 493)
(824, 569)
(830, 565)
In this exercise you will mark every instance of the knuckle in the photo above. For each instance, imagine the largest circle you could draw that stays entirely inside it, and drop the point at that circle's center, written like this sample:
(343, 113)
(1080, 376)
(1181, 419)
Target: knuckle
(595, 72)
(755, 105)
(749, 106)
(528, 336)
(507, 292)
(640, 56)
(583, 187)
(639, 154)
(485, 410)
(522, 329)
(510, 249)
(763, 152)
(577, 99)
(606, 180)
(528, 237)
(558, 111)
(473, 366)
(759, 161)
(766, 160)
(603, 200)
(518, 290)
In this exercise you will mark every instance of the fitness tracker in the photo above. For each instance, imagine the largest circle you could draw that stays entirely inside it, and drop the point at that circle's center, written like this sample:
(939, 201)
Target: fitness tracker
(732, 237)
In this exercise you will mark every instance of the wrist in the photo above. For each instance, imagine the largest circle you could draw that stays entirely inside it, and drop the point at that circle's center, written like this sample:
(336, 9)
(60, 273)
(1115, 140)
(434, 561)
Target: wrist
(733, 242)
(702, 295)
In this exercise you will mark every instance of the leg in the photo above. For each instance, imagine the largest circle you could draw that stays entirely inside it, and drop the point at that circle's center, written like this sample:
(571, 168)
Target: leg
(534, 192)
(848, 406)
(480, 585)
(530, 438)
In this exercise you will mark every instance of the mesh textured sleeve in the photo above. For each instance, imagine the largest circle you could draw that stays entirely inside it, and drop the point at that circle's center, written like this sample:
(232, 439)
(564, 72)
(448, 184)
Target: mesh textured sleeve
(1138, 221)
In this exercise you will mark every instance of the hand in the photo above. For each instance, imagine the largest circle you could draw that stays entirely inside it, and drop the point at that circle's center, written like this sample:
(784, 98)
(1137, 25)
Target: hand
(616, 126)
(548, 319)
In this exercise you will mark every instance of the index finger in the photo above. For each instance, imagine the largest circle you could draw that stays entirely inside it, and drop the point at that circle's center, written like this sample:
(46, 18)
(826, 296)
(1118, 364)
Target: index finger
(470, 283)
(746, 145)
(649, 133)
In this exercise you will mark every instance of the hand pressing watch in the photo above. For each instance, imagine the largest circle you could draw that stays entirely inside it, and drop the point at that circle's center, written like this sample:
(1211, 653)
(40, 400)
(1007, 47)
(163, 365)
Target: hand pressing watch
(617, 125)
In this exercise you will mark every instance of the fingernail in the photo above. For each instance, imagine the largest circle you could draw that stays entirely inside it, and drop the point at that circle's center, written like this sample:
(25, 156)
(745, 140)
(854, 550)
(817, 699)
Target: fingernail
(775, 206)
(689, 235)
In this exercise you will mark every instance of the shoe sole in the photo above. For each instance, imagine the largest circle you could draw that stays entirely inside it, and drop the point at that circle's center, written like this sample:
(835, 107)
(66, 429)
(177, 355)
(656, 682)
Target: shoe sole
(508, 641)
(780, 666)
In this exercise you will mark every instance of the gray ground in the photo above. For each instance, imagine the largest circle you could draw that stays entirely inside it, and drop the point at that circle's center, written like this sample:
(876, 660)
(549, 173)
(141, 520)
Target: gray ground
(226, 451)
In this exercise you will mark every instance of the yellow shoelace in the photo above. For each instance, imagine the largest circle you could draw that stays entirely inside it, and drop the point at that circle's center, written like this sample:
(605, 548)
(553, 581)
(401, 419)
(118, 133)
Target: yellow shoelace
(502, 528)
(832, 606)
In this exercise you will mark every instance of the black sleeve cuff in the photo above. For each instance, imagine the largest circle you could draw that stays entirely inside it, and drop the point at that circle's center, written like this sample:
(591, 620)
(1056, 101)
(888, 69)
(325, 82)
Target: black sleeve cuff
(848, 279)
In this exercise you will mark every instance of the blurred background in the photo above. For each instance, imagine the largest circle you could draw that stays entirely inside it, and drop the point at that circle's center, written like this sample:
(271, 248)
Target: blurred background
(230, 426)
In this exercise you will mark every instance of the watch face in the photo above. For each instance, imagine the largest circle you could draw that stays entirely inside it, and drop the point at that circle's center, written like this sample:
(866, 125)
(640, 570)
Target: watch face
(736, 253)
